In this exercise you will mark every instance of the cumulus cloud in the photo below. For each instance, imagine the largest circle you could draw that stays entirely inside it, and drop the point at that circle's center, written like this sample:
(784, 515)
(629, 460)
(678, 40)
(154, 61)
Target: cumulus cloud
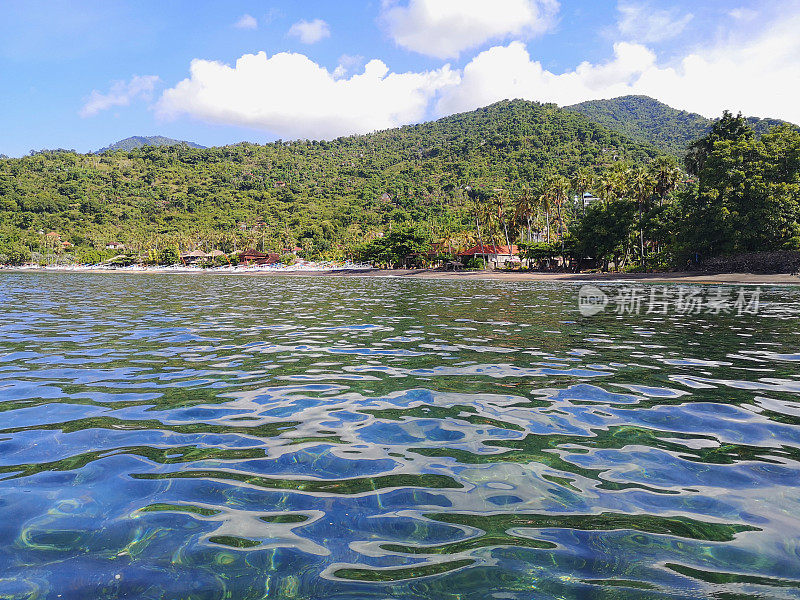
(644, 23)
(310, 32)
(246, 22)
(122, 93)
(750, 75)
(445, 28)
(291, 96)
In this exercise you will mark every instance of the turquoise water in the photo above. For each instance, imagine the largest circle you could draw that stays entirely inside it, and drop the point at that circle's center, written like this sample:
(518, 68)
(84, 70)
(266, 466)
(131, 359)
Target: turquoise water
(213, 437)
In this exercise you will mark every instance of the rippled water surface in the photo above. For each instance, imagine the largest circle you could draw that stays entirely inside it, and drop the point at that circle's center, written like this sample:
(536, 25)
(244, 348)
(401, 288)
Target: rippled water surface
(213, 437)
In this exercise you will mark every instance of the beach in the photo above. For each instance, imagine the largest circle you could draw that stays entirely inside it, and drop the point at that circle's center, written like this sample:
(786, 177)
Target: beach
(678, 278)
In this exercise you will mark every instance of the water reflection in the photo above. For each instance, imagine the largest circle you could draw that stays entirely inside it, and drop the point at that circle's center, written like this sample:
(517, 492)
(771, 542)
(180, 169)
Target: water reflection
(249, 437)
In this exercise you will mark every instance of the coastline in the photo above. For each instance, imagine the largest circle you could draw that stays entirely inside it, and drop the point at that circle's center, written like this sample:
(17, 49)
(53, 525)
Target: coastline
(430, 274)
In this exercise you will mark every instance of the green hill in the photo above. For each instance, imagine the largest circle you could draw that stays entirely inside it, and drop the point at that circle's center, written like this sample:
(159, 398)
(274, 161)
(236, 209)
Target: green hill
(649, 121)
(326, 195)
(139, 141)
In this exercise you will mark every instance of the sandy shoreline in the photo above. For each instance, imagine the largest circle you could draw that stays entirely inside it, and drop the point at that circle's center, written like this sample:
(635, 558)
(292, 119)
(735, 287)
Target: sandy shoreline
(428, 274)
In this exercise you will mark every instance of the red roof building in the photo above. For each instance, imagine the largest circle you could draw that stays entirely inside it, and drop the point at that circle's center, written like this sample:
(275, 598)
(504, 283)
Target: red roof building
(490, 249)
(253, 257)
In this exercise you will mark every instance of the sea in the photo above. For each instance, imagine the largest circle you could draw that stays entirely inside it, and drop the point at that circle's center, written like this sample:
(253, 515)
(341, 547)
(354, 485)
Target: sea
(211, 436)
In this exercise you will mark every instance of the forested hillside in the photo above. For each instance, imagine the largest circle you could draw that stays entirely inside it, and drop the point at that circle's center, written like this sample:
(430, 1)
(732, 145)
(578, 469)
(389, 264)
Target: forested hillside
(324, 196)
(649, 121)
(139, 141)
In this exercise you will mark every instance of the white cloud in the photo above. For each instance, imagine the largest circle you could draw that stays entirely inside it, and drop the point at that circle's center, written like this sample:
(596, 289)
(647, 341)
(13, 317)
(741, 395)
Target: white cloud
(642, 23)
(246, 22)
(310, 32)
(445, 28)
(753, 75)
(122, 93)
(291, 96)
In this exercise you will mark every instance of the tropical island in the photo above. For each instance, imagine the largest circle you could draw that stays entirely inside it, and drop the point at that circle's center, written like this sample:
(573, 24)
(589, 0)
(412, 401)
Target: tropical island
(624, 185)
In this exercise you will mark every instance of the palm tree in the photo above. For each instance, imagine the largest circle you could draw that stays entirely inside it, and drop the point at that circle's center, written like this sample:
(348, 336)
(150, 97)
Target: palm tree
(666, 175)
(499, 201)
(525, 210)
(544, 203)
(642, 186)
(557, 191)
(606, 188)
(482, 211)
(582, 180)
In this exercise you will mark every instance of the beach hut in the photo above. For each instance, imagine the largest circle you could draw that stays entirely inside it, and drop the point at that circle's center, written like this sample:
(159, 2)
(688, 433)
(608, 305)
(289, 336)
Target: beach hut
(193, 256)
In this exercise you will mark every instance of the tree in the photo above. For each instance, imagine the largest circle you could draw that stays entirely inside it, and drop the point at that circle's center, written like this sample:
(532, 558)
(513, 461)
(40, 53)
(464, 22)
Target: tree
(747, 196)
(525, 210)
(727, 128)
(557, 190)
(582, 180)
(666, 174)
(604, 230)
(641, 187)
(395, 247)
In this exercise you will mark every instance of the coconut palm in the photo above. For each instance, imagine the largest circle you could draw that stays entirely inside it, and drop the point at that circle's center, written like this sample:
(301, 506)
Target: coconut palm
(642, 187)
(605, 188)
(666, 175)
(525, 210)
(545, 205)
(582, 180)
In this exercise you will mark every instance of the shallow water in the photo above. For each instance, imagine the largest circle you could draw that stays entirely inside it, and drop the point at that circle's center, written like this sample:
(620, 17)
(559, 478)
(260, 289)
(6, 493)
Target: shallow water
(213, 437)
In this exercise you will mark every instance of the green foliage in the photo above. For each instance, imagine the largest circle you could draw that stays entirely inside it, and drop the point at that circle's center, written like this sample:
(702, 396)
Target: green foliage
(325, 197)
(16, 254)
(605, 230)
(138, 141)
(649, 121)
(513, 172)
(288, 259)
(748, 192)
(539, 251)
(168, 256)
(475, 263)
(396, 248)
(91, 256)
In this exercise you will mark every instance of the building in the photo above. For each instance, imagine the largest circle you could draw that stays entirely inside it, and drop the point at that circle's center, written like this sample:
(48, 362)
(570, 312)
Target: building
(495, 256)
(115, 246)
(253, 257)
(588, 198)
(193, 256)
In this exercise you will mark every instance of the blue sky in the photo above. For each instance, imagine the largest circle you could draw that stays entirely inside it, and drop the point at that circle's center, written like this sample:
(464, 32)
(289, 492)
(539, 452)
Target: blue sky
(83, 74)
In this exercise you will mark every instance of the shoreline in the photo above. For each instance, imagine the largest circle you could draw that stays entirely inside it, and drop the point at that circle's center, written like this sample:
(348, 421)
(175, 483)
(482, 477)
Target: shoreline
(430, 274)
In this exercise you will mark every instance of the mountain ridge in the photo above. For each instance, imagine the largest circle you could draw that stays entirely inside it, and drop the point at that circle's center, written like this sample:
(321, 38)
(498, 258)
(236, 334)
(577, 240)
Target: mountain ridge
(139, 141)
(650, 121)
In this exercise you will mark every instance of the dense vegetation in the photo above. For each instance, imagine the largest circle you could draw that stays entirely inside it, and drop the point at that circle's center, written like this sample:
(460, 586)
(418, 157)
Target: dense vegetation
(649, 121)
(570, 192)
(326, 197)
(139, 141)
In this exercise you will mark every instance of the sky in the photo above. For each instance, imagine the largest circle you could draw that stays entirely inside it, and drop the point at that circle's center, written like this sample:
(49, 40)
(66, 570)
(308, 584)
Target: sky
(82, 74)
